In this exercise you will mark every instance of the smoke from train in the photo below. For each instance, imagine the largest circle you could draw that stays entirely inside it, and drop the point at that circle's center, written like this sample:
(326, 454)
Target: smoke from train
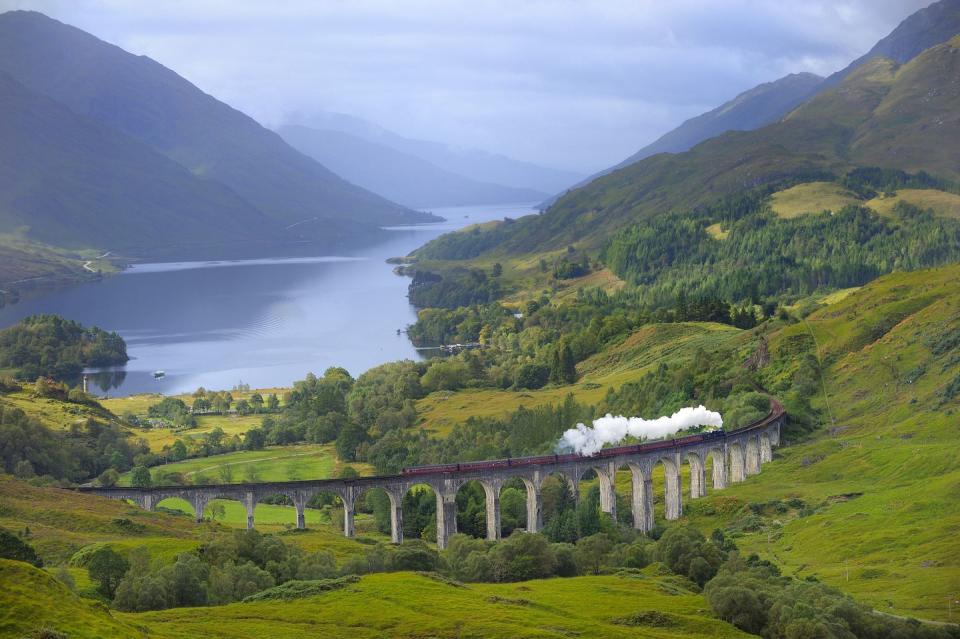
(587, 440)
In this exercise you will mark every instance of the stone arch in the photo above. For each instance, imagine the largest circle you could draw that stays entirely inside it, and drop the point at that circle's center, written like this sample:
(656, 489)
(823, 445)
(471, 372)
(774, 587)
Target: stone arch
(605, 477)
(697, 466)
(752, 453)
(324, 503)
(672, 490)
(620, 471)
(373, 500)
(557, 492)
(766, 448)
(608, 493)
(534, 504)
(512, 516)
(178, 503)
(479, 496)
(212, 511)
(641, 495)
(269, 507)
(738, 471)
(718, 468)
(418, 509)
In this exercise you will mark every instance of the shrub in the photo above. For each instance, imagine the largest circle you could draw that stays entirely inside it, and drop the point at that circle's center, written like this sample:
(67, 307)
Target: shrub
(12, 547)
(301, 589)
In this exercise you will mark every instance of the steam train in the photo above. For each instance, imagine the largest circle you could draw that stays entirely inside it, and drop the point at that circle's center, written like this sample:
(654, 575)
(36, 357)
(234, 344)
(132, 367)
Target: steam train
(776, 410)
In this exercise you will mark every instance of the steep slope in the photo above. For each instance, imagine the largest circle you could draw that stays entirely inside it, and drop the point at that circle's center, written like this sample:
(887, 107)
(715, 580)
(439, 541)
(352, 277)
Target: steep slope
(881, 115)
(397, 175)
(768, 102)
(68, 181)
(880, 481)
(475, 164)
(34, 603)
(865, 500)
(143, 99)
(752, 109)
(927, 27)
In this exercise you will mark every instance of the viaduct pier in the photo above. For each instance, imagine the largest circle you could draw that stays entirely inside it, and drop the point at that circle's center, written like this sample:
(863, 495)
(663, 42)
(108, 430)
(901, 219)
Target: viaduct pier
(733, 455)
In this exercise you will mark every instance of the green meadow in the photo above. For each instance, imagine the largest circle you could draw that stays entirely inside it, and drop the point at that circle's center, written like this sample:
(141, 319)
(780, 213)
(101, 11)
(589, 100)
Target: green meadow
(275, 463)
(401, 605)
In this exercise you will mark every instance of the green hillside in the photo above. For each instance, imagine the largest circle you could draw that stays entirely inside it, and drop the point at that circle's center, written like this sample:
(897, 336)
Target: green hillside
(29, 266)
(71, 182)
(396, 605)
(864, 502)
(33, 601)
(864, 497)
(882, 114)
(881, 478)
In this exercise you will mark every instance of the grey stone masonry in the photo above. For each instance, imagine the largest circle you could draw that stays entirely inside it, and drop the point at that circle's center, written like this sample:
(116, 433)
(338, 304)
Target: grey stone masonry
(734, 457)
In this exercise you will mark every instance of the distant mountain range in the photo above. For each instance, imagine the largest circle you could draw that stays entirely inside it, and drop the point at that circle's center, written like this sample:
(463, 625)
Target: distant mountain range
(398, 175)
(142, 159)
(474, 164)
(771, 101)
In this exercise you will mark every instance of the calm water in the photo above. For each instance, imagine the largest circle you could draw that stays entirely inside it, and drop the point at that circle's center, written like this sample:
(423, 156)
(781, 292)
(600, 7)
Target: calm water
(265, 322)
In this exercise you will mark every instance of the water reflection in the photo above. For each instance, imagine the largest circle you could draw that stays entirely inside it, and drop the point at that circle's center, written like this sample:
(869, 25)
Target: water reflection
(263, 322)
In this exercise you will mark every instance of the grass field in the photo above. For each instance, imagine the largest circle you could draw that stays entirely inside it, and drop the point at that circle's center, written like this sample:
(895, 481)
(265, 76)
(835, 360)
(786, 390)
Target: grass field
(53, 413)
(230, 424)
(157, 438)
(815, 197)
(883, 479)
(400, 605)
(716, 232)
(942, 203)
(811, 197)
(60, 523)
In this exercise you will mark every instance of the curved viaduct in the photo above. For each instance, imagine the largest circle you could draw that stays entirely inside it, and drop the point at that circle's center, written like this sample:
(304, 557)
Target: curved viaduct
(735, 456)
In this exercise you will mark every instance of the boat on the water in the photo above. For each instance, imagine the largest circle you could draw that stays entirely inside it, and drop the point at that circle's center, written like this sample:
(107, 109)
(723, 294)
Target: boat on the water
(158, 374)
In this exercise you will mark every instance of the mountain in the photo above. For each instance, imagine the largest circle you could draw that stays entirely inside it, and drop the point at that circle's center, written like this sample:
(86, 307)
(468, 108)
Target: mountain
(882, 114)
(752, 109)
(72, 182)
(762, 105)
(475, 164)
(150, 103)
(923, 29)
(396, 175)
(768, 102)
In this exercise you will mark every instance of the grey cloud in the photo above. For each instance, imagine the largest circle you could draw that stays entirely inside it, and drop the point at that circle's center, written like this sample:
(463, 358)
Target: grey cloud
(571, 84)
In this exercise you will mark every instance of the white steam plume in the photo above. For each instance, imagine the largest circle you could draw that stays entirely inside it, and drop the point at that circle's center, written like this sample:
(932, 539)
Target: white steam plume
(610, 430)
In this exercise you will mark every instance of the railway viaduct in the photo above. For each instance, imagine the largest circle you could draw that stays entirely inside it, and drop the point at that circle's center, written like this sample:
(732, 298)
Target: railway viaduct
(734, 456)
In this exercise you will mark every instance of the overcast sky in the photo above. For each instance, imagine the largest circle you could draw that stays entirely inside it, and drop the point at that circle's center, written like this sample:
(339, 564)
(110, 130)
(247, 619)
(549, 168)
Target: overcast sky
(569, 83)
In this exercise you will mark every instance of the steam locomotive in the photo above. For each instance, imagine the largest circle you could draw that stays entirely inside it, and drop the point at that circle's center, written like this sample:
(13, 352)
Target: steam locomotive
(776, 410)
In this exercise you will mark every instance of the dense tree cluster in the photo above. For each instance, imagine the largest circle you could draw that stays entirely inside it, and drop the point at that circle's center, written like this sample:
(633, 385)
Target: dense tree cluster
(50, 346)
(226, 568)
(454, 288)
(753, 595)
(869, 182)
(770, 257)
(173, 411)
(29, 449)
(14, 547)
